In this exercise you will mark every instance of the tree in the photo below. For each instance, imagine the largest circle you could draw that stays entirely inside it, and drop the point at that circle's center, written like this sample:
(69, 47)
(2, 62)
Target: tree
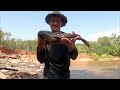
(1, 35)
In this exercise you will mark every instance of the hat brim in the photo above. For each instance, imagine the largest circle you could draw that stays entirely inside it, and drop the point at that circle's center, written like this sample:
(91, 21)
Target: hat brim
(63, 18)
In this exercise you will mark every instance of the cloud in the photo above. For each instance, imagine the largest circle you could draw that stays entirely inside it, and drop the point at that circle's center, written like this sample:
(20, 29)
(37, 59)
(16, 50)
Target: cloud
(95, 36)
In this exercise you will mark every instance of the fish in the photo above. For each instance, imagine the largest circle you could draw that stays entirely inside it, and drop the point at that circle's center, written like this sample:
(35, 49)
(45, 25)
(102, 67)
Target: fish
(55, 37)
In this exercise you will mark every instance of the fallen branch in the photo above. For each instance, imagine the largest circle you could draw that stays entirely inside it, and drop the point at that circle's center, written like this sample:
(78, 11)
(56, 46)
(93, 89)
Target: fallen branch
(8, 69)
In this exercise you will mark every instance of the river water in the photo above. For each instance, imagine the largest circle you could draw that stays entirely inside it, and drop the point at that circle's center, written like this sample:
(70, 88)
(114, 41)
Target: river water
(96, 71)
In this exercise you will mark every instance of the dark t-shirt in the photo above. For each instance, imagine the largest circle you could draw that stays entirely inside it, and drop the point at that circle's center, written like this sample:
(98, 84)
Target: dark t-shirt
(56, 60)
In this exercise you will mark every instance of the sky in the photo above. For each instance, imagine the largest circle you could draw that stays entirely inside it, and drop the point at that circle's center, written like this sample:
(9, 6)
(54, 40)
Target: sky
(89, 24)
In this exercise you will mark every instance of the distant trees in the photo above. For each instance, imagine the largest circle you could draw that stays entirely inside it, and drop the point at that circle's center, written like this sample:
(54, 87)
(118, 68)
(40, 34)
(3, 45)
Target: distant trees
(1, 35)
(12, 43)
(104, 45)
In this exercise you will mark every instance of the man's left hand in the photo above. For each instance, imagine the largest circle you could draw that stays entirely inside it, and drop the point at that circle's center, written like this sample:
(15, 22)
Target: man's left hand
(70, 43)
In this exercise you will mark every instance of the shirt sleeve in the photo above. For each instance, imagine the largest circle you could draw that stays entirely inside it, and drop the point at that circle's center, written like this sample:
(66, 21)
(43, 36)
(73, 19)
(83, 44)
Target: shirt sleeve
(74, 54)
(41, 56)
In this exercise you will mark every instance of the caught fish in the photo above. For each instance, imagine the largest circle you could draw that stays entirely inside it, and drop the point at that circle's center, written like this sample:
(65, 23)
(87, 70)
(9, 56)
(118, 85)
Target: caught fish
(47, 36)
(56, 36)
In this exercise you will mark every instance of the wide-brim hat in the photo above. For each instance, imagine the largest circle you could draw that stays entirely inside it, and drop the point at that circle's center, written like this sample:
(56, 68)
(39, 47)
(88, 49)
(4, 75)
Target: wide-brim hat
(56, 13)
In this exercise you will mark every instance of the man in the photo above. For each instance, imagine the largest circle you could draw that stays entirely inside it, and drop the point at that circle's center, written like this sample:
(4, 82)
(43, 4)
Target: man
(57, 57)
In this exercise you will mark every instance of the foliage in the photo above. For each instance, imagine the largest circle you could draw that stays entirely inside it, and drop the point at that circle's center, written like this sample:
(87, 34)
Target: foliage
(12, 43)
(104, 46)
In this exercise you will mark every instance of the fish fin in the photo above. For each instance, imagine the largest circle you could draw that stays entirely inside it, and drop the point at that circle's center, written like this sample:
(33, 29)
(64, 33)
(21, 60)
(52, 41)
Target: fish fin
(73, 32)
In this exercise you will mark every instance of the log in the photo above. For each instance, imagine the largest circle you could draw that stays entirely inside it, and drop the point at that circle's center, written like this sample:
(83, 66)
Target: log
(5, 68)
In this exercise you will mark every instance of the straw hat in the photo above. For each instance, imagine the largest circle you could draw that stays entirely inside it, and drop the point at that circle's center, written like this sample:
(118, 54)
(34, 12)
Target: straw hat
(56, 13)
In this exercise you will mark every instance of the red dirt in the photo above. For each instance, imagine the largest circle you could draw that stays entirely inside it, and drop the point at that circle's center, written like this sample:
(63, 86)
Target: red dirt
(17, 52)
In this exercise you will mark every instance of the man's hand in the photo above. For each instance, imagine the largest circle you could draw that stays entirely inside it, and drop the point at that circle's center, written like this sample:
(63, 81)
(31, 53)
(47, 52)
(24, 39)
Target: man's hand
(70, 43)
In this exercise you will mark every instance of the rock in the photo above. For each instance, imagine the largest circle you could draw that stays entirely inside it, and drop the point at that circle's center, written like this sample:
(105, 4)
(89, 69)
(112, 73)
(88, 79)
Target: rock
(2, 76)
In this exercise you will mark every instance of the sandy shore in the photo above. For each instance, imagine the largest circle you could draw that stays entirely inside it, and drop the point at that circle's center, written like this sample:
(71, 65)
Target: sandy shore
(28, 67)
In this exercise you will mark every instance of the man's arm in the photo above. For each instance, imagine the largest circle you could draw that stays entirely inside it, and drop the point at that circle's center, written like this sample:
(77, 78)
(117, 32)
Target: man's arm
(74, 54)
(41, 55)
(41, 51)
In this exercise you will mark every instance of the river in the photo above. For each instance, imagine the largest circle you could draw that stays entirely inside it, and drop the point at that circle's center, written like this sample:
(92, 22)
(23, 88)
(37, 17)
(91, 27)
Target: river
(96, 70)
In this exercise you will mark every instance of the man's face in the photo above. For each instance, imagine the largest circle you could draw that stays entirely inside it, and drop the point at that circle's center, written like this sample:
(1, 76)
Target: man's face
(55, 23)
